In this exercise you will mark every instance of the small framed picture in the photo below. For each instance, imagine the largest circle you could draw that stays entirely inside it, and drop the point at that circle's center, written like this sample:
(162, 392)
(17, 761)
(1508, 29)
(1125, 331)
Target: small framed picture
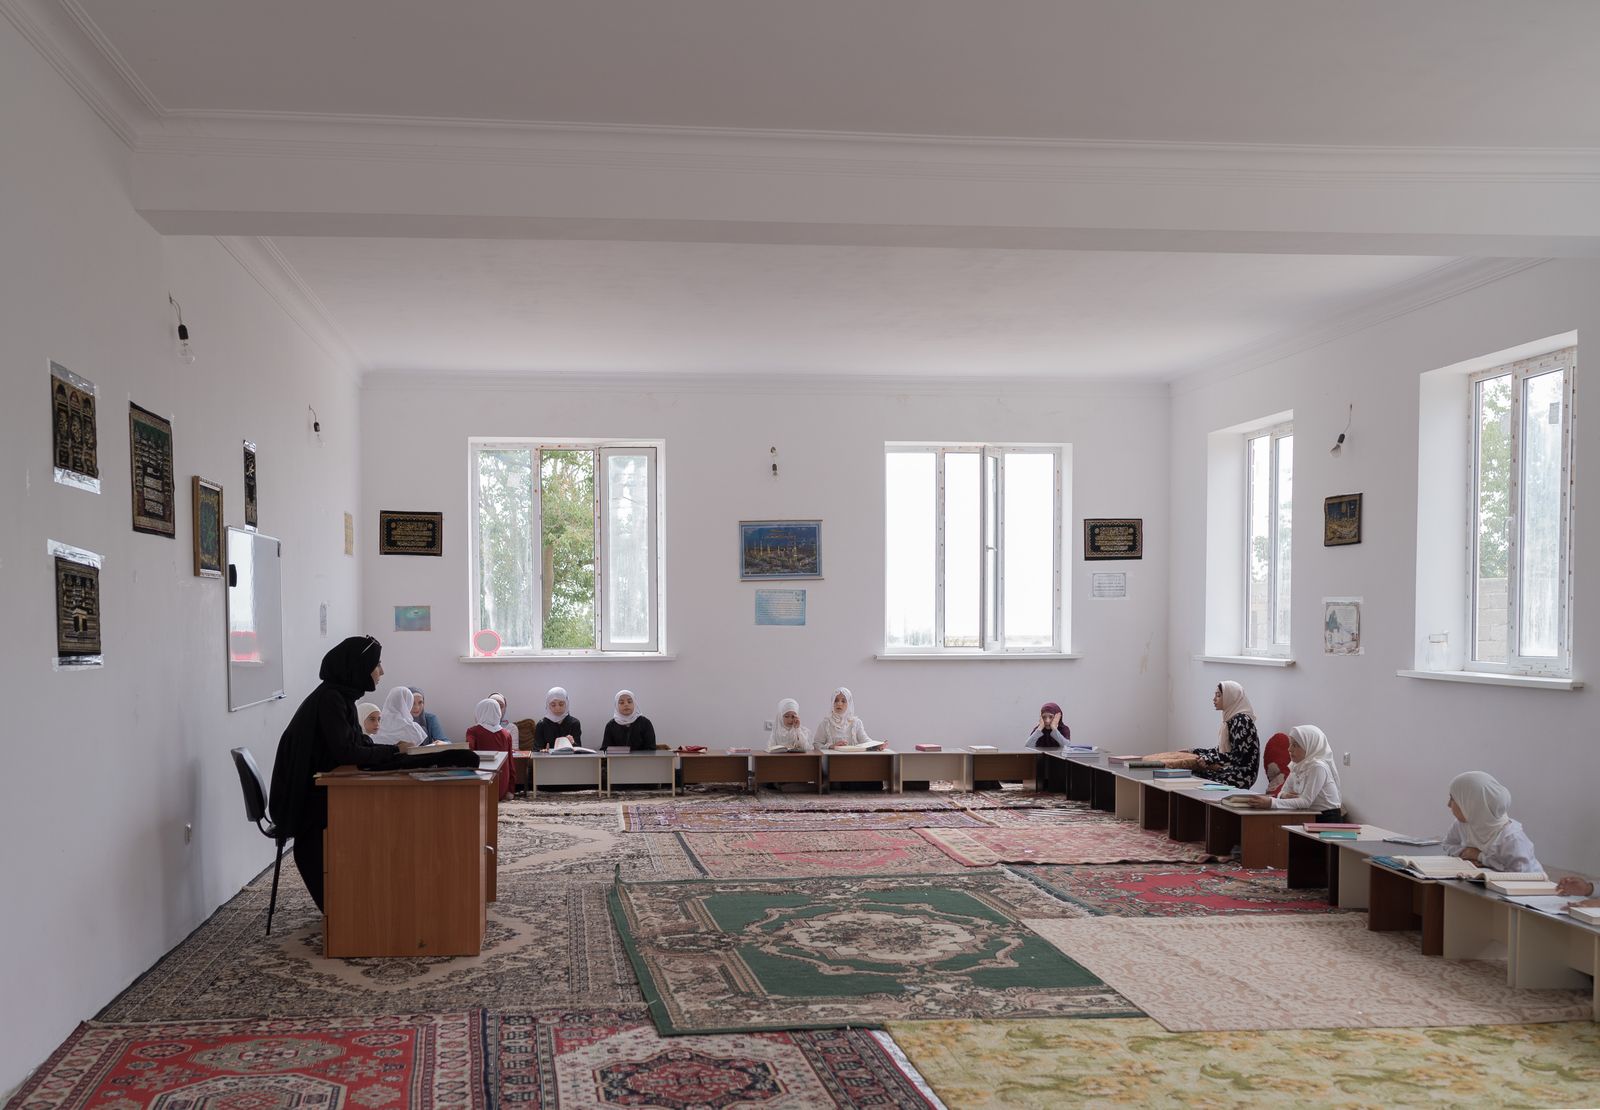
(1341, 520)
(207, 528)
(1117, 538)
(780, 549)
(402, 533)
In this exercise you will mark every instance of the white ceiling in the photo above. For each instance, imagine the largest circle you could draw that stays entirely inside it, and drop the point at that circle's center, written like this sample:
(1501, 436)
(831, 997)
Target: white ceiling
(1375, 72)
(620, 307)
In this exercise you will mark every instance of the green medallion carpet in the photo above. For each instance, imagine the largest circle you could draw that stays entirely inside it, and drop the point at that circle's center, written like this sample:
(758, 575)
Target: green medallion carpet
(738, 955)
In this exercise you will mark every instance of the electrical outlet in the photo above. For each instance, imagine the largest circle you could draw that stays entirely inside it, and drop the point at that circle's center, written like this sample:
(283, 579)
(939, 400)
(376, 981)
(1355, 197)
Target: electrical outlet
(1347, 759)
(767, 725)
(188, 833)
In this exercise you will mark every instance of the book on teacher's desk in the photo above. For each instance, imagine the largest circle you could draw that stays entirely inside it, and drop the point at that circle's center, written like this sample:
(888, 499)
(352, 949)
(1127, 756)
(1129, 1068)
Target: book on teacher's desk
(930, 747)
(1329, 826)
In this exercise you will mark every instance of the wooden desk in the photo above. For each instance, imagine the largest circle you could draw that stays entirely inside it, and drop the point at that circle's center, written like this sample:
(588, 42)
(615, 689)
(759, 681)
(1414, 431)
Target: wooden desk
(1261, 834)
(930, 767)
(1005, 767)
(577, 769)
(1081, 774)
(773, 768)
(713, 767)
(409, 866)
(1400, 901)
(641, 769)
(1339, 865)
(875, 766)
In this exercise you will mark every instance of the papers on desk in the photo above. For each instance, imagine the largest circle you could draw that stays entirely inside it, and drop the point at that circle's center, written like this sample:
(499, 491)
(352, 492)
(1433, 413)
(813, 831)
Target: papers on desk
(1552, 903)
(453, 774)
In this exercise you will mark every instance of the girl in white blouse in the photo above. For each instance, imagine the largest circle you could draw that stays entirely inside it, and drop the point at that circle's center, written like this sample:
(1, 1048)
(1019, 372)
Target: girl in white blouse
(1313, 781)
(788, 734)
(1484, 833)
(842, 726)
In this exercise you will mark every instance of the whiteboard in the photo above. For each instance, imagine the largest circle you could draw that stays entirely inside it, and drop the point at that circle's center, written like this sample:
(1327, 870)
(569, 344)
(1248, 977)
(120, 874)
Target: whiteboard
(255, 619)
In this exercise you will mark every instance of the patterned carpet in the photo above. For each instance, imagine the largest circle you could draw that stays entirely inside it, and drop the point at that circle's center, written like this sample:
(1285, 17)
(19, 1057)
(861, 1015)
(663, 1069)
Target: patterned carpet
(1105, 842)
(771, 854)
(1175, 890)
(422, 1060)
(1064, 1062)
(705, 818)
(615, 1058)
(1294, 972)
(742, 954)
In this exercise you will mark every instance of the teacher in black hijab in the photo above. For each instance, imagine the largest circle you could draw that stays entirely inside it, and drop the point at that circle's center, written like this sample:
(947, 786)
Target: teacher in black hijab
(324, 734)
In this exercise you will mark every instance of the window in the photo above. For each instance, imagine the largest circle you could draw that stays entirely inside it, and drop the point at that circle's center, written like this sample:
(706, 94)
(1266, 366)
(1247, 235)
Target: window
(565, 548)
(1269, 514)
(1521, 515)
(972, 548)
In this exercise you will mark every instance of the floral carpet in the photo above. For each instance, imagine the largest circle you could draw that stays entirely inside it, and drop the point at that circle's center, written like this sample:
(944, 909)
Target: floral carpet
(414, 1060)
(732, 955)
(615, 1058)
(1295, 972)
(1175, 890)
(1105, 842)
(775, 854)
(707, 818)
(1053, 1063)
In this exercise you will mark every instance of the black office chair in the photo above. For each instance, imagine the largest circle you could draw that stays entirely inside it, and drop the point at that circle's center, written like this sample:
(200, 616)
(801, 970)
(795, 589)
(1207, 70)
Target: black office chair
(255, 809)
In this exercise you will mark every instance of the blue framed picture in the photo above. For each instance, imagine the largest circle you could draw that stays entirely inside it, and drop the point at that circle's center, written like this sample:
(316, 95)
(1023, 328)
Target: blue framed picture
(779, 549)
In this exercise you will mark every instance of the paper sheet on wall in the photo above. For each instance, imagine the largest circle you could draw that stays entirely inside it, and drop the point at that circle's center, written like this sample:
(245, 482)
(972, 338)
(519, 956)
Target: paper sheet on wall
(781, 607)
(1109, 585)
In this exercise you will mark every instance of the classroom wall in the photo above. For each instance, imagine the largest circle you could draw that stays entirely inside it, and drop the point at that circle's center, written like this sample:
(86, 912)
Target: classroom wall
(1406, 737)
(728, 674)
(104, 768)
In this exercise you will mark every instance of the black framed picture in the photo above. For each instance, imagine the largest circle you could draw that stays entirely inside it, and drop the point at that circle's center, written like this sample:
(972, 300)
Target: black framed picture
(1113, 538)
(402, 533)
(1341, 520)
(154, 489)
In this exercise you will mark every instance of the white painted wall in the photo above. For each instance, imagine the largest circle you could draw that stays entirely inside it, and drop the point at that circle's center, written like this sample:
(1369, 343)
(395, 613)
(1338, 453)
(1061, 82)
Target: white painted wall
(106, 767)
(1407, 738)
(728, 674)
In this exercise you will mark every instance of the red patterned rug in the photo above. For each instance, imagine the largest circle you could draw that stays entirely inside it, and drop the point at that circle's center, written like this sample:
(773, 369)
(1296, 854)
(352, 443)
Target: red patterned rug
(615, 1058)
(429, 1061)
(1175, 890)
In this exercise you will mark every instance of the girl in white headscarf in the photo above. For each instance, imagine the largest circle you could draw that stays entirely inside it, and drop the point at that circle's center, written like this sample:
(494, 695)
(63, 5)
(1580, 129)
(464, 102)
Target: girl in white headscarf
(396, 725)
(557, 723)
(486, 735)
(788, 734)
(367, 716)
(1313, 781)
(1484, 832)
(1236, 759)
(628, 729)
(841, 726)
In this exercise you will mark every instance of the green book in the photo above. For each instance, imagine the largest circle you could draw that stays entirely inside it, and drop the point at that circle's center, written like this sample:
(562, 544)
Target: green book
(1339, 834)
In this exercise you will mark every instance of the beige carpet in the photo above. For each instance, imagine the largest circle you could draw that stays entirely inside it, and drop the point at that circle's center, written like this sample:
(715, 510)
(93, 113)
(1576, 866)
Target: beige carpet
(1294, 973)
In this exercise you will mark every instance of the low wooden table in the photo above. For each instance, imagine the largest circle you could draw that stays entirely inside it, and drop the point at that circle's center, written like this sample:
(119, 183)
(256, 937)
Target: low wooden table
(1262, 834)
(715, 767)
(656, 768)
(930, 767)
(774, 768)
(875, 766)
(576, 769)
(1339, 865)
(1400, 901)
(1004, 767)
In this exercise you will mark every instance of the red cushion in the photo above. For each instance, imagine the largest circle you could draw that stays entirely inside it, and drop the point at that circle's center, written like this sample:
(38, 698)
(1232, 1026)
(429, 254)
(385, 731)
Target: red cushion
(1275, 762)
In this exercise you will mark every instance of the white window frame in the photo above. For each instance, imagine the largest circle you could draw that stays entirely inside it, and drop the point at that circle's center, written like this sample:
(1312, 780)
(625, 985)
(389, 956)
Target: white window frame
(602, 449)
(1516, 663)
(1273, 649)
(991, 559)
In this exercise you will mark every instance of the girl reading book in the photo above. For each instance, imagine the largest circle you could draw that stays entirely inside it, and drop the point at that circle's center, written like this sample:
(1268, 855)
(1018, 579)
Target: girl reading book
(1484, 833)
(788, 734)
(557, 723)
(486, 735)
(1313, 781)
(841, 726)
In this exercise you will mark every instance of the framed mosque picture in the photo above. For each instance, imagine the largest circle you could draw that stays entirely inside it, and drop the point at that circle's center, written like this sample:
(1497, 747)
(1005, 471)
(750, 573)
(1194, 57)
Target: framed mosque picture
(779, 549)
(1341, 520)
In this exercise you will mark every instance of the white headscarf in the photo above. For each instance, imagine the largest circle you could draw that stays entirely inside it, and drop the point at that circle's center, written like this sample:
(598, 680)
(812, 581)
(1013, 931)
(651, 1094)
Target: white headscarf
(397, 724)
(500, 700)
(363, 711)
(1484, 802)
(849, 707)
(1315, 742)
(551, 695)
(1234, 704)
(782, 733)
(624, 719)
(486, 715)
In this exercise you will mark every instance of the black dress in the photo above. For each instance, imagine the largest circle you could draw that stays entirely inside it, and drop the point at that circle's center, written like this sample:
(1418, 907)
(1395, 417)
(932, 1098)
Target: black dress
(323, 734)
(640, 736)
(1238, 766)
(546, 731)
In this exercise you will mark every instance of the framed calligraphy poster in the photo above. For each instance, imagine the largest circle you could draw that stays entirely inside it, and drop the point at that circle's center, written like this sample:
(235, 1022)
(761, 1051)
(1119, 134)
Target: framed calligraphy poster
(150, 455)
(249, 485)
(73, 436)
(77, 617)
(401, 533)
(1113, 539)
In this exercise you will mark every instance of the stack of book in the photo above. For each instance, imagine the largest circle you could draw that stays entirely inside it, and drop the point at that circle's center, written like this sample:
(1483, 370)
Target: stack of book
(1144, 764)
(1520, 888)
(982, 748)
(1169, 773)
(929, 748)
(1122, 758)
(1333, 830)
(1589, 914)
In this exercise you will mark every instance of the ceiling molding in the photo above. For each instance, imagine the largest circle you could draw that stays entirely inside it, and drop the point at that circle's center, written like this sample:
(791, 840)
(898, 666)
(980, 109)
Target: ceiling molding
(1449, 280)
(66, 38)
(787, 384)
(263, 261)
(488, 142)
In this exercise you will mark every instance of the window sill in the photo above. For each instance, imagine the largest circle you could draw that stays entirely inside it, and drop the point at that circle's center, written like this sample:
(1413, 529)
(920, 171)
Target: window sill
(975, 657)
(576, 657)
(1489, 678)
(1246, 660)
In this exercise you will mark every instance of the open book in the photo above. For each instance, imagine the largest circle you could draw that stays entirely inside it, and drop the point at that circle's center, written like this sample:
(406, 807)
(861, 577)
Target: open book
(1239, 801)
(867, 746)
(429, 749)
(1454, 867)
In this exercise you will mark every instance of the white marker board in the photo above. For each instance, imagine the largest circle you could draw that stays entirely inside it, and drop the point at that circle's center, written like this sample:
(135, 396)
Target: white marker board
(255, 619)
